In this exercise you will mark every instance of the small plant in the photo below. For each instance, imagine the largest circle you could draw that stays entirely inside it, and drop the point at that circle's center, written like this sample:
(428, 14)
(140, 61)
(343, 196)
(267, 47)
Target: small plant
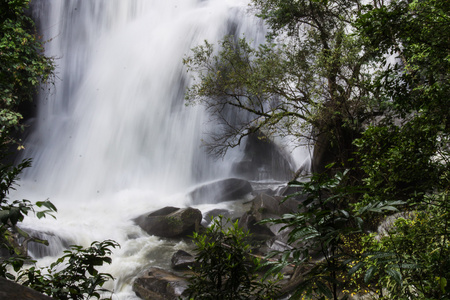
(11, 213)
(225, 267)
(74, 275)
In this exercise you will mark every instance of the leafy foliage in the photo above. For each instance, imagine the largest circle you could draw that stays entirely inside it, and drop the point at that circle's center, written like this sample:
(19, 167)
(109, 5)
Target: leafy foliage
(74, 275)
(316, 234)
(313, 83)
(411, 259)
(12, 213)
(225, 268)
(22, 64)
(369, 81)
(409, 159)
(406, 154)
(398, 162)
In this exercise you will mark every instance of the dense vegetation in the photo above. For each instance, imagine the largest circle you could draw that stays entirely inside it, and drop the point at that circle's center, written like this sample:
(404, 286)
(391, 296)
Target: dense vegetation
(22, 69)
(225, 267)
(367, 82)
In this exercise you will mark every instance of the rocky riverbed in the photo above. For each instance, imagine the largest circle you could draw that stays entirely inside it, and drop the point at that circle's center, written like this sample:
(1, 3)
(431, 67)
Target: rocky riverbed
(248, 203)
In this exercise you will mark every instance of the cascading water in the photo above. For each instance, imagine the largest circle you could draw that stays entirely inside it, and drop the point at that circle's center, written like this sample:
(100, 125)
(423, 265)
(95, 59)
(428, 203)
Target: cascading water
(113, 138)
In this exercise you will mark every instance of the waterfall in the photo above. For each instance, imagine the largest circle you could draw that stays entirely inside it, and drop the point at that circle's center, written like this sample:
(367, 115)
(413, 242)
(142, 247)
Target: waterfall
(117, 119)
(113, 138)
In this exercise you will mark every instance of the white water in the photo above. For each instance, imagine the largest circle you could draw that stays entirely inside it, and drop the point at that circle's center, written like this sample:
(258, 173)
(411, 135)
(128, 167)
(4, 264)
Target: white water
(113, 138)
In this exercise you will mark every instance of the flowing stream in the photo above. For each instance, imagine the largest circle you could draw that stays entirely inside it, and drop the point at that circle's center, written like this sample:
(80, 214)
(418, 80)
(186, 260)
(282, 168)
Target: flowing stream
(113, 138)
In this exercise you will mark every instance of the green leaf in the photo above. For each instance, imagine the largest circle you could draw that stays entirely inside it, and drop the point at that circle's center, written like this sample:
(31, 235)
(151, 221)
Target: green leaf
(395, 274)
(369, 274)
(356, 267)
(15, 215)
(443, 283)
(324, 289)
(47, 204)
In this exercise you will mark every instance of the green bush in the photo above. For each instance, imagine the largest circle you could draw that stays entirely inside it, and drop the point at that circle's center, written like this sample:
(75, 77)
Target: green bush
(412, 260)
(224, 266)
(74, 275)
(12, 213)
(23, 67)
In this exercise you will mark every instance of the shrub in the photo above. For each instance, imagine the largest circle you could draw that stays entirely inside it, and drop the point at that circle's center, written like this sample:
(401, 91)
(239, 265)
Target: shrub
(225, 267)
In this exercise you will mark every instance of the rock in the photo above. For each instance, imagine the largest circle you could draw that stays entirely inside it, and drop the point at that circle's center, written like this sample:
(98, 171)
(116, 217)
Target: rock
(170, 222)
(159, 284)
(387, 224)
(263, 159)
(208, 216)
(263, 207)
(258, 232)
(57, 244)
(266, 206)
(290, 190)
(273, 245)
(222, 190)
(13, 291)
(182, 260)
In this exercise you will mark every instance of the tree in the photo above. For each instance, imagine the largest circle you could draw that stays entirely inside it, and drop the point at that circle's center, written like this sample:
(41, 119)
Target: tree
(407, 152)
(411, 260)
(310, 79)
(224, 267)
(409, 159)
(316, 235)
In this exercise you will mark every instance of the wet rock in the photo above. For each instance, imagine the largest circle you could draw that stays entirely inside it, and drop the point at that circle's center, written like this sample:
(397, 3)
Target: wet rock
(265, 206)
(259, 232)
(292, 191)
(263, 159)
(273, 245)
(170, 222)
(56, 244)
(159, 284)
(13, 291)
(210, 215)
(182, 260)
(222, 190)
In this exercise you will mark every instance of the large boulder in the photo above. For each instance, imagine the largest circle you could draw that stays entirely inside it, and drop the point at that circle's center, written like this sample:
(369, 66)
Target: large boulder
(182, 260)
(159, 284)
(263, 207)
(259, 232)
(263, 159)
(12, 291)
(170, 222)
(221, 190)
(266, 206)
(214, 213)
